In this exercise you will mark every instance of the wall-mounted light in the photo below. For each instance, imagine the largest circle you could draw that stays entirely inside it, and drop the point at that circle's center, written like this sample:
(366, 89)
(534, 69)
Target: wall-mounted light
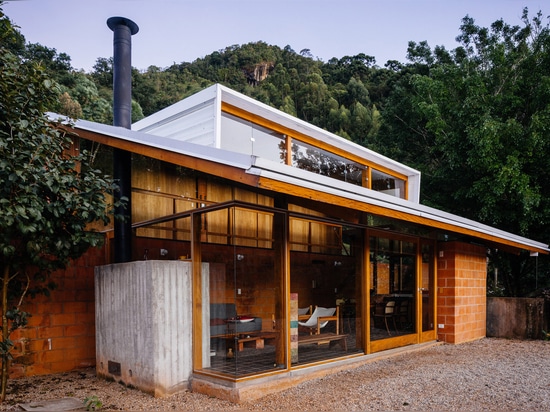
(240, 257)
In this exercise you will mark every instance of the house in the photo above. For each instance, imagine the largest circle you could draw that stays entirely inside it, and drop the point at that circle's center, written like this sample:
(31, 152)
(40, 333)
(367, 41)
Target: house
(245, 219)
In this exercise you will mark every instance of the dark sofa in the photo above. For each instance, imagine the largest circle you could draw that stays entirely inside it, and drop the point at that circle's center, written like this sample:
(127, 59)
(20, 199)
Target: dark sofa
(223, 320)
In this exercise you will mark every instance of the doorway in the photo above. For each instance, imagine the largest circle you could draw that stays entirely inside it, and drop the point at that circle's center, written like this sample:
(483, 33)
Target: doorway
(402, 286)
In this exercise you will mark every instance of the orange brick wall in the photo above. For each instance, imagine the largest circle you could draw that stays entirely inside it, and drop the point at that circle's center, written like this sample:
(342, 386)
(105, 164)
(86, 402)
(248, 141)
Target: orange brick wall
(60, 335)
(461, 288)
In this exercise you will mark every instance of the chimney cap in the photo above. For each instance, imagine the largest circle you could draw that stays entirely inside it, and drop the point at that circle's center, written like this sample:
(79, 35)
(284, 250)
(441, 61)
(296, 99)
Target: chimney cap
(113, 22)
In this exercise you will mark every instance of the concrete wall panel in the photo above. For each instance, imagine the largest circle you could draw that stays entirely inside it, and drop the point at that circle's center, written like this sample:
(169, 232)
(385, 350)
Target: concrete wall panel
(144, 324)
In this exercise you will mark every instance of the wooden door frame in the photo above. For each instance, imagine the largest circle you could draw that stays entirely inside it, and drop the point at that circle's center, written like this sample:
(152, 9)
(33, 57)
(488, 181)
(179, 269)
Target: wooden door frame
(430, 334)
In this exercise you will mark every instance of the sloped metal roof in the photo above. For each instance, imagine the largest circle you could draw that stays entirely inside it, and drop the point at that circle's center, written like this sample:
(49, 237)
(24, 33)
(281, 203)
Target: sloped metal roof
(238, 160)
(254, 166)
(287, 174)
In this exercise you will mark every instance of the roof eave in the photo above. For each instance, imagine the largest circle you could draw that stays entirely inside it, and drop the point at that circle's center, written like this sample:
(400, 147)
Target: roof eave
(270, 171)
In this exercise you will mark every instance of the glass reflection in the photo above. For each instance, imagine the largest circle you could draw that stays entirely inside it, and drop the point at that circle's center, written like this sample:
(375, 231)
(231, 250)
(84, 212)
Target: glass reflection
(393, 280)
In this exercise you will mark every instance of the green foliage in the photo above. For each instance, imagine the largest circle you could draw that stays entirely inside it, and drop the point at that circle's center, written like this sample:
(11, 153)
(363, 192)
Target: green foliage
(48, 58)
(10, 38)
(475, 122)
(47, 197)
(93, 403)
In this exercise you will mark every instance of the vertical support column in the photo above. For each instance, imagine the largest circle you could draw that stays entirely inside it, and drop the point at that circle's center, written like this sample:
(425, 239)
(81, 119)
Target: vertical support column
(362, 308)
(281, 272)
(197, 291)
(461, 298)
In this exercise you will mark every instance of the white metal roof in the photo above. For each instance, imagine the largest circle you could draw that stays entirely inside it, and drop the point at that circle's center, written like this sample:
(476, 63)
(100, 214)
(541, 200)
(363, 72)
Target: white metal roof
(188, 114)
(238, 160)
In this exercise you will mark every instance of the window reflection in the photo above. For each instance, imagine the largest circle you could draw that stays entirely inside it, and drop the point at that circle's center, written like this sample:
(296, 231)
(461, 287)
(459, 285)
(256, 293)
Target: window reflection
(242, 136)
(385, 183)
(325, 281)
(243, 332)
(319, 161)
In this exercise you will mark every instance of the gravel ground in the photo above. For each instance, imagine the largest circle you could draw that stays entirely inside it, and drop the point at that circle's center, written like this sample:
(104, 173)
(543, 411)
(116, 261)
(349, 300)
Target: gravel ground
(489, 375)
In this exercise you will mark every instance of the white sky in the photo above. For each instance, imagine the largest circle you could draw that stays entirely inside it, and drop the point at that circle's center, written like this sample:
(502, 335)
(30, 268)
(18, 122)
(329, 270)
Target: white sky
(175, 31)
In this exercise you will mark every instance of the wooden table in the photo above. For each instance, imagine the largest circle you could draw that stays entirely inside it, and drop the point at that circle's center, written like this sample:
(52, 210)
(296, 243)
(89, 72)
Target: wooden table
(255, 340)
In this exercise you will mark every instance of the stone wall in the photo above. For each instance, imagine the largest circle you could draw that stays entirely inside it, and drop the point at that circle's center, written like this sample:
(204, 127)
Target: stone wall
(517, 318)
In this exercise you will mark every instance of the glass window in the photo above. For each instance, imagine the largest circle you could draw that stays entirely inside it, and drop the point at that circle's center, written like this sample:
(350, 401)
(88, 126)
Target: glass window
(325, 280)
(315, 237)
(393, 282)
(427, 288)
(385, 183)
(319, 161)
(166, 189)
(243, 136)
(243, 332)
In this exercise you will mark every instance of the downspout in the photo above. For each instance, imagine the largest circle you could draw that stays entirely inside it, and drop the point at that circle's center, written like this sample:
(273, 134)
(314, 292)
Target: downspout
(123, 29)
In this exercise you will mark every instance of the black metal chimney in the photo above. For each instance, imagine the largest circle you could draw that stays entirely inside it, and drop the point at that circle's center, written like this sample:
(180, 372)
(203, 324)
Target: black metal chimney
(123, 29)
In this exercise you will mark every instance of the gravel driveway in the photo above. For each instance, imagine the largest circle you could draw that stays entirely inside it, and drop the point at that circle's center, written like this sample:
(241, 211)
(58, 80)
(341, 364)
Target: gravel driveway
(489, 374)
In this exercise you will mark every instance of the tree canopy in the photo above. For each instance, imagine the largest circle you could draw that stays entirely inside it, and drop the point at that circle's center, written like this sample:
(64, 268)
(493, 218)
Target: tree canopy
(476, 122)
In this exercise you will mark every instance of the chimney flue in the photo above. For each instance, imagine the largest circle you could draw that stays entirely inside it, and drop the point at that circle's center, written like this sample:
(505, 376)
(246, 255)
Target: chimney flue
(123, 30)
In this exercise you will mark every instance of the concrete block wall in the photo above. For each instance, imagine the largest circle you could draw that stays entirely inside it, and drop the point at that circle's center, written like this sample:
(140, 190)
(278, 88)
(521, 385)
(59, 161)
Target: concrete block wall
(461, 292)
(60, 335)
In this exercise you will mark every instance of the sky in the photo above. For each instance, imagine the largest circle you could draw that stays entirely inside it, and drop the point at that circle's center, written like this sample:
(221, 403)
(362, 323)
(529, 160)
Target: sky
(176, 31)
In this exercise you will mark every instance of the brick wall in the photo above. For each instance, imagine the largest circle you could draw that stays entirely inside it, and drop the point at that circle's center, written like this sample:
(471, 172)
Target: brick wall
(461, 292)
(60, 335)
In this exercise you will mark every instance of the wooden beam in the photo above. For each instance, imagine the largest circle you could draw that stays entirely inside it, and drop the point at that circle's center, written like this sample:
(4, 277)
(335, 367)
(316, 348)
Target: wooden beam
(197, 290)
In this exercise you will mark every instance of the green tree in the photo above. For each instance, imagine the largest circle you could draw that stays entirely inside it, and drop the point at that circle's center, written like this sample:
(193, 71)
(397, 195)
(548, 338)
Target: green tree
(94, 107)
(53, 62)
(47, 197)
(102, 73)
(10, 39)
(475, 121)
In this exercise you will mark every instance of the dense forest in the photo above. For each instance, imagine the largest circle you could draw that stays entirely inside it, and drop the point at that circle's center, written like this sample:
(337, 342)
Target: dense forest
(475, 120)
